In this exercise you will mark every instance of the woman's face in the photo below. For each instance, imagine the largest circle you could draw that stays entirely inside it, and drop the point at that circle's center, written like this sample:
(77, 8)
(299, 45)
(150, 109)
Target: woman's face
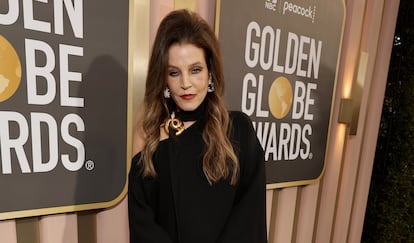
(187, 75)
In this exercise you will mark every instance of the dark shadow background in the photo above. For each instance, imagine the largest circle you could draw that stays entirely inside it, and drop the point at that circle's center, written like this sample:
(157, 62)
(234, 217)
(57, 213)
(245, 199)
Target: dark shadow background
(390, 209)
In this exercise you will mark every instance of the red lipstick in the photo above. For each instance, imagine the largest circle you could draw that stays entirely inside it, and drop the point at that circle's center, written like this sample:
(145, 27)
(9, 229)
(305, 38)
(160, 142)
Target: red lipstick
(187, 96)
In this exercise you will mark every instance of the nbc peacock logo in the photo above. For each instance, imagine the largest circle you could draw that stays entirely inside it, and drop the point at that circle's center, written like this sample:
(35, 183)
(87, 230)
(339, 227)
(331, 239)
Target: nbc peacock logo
(10, 69)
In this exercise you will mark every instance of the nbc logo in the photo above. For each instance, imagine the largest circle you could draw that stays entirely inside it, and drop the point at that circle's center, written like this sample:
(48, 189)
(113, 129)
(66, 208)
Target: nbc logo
(271, 5)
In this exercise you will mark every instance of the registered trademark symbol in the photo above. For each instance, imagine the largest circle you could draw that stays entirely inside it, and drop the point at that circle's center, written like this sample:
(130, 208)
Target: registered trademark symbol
(89, 165)
(310, 156)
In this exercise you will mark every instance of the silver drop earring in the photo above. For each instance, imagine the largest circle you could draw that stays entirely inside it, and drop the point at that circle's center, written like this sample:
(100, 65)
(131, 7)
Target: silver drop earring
(210, 85)
(167, 93)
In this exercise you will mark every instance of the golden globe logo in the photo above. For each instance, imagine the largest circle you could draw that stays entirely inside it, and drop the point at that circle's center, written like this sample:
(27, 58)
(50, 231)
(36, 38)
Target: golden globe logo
(280, 97)
(10, 69)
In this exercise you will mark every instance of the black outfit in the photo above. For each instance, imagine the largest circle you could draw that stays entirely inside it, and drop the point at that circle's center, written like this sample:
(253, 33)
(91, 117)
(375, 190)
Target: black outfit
(180, 206)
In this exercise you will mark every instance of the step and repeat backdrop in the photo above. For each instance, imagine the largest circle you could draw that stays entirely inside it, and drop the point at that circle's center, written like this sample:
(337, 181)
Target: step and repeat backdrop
(280, 60)
(64, 105)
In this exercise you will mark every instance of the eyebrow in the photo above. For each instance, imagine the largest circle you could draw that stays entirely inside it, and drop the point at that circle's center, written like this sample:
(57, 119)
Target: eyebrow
(191, 65)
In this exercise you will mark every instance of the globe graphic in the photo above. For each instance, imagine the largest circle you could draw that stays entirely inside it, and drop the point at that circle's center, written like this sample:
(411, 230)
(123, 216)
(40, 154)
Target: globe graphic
(10, 69)
(280, 97)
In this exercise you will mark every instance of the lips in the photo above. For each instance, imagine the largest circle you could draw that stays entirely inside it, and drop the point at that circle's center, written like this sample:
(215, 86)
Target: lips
(187, 96)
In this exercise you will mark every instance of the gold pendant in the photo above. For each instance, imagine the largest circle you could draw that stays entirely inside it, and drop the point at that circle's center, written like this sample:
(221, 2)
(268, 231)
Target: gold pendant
(176, 124)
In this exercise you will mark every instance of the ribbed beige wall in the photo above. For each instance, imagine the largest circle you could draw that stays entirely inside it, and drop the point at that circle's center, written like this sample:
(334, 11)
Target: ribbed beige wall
(331, 210)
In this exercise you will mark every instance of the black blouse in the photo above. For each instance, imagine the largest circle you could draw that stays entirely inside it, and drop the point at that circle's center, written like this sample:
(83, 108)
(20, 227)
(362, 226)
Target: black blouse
(180, 206)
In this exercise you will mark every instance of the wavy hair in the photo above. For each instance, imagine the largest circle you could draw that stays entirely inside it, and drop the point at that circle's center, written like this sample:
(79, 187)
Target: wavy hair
(184, 27)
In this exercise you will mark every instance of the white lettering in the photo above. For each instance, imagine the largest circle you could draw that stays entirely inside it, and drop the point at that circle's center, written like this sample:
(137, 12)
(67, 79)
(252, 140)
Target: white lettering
(33, 71)
(302, 56)
(314, 58)
(75, 14)
(42, 161)
(250, 97)
(68, 120)
(30, 22)
(7, 143)
(74, 11)
(302, 100)
(254, 101)
(270, 5)
(298, 101)
(252, 61)
(295, 139)
(289, 143)
(271, 147)
(36, 120)
(266, 64)
(66, 76)
(300, 51)
(309, 101)
(299, 10)
(12, 15)
(292, 43)
(276, 67)
(307, 130)
(284, 138)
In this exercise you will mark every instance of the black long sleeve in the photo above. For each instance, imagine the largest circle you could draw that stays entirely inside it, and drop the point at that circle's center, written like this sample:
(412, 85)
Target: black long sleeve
(180, 206)
(247, 221)
(142, 224)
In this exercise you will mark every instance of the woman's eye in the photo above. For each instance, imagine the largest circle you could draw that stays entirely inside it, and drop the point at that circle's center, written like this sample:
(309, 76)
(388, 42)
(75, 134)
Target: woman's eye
(173, 73)
(196, 70)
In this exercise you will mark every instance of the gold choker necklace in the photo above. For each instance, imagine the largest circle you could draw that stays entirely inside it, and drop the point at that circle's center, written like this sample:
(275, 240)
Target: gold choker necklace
(176, 124)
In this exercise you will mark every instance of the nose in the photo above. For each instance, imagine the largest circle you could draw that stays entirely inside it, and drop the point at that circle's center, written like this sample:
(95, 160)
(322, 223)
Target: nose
(185, 82)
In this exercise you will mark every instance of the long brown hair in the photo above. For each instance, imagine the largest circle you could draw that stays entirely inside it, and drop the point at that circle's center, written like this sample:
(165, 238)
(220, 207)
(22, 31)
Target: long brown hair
(182, 26)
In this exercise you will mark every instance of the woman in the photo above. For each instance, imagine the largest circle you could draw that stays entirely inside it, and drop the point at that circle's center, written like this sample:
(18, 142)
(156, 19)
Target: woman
(198, 173)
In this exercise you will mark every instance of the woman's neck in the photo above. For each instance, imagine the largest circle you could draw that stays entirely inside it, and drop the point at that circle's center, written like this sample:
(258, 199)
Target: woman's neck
(193, 115)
